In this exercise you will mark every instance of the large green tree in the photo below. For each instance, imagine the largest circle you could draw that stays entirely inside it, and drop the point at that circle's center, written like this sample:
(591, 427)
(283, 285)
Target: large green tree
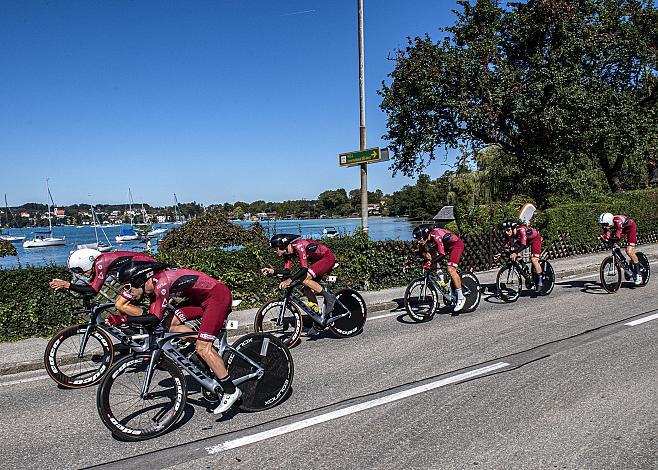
(566, 90)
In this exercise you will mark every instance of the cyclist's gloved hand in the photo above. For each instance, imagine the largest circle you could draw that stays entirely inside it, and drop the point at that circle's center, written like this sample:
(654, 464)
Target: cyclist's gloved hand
(116, 320)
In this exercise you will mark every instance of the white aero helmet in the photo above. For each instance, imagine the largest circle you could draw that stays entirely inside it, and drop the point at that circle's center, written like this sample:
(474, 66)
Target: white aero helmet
(81, 261)
(605, 219)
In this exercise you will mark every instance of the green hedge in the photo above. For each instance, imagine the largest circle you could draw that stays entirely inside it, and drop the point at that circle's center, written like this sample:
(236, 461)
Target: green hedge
(28, 307)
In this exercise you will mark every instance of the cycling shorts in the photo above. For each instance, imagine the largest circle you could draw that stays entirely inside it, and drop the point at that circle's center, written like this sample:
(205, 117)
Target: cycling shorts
(456, 251)
(631, 233)
(535, 246)
(213, 313)
(323, 266)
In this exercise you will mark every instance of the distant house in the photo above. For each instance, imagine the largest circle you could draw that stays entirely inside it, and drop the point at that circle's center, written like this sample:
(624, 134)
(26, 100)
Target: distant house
(25, 215)
(444, 216)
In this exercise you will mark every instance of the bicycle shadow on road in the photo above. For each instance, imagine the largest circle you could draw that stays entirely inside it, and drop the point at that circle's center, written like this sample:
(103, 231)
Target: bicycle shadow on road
(586, 286)
(493, 297)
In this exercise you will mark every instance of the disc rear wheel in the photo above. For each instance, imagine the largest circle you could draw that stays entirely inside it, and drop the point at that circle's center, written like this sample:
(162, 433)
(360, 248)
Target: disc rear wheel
(352, 324)
(272, 387)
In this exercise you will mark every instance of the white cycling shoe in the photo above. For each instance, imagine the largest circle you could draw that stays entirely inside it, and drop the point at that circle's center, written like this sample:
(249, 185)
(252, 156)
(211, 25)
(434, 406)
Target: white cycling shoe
(638, 280)
(228, 400)
(460, 304)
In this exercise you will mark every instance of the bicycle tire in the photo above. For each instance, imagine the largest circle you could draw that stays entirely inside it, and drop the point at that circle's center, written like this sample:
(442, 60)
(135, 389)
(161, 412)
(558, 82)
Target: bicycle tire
(548, 277)
(645, 268)
(610, 275)
(472, 292)
(509, 283)
(63, 365)
(272, 355)
(127, 375)
(352, 324)
(290, 331)
(417, 306)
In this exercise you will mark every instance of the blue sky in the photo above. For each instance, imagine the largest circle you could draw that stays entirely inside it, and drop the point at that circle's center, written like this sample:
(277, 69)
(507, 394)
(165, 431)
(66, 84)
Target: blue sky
(214, 100)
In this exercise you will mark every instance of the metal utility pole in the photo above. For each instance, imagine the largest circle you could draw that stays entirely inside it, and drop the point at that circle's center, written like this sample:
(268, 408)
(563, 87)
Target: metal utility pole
(362, 125)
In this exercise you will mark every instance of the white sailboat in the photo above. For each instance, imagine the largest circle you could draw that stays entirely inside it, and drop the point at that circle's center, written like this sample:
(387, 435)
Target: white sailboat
(7, 237)
(128, 235)
(43, 238)
(177, 220)
(100, 246)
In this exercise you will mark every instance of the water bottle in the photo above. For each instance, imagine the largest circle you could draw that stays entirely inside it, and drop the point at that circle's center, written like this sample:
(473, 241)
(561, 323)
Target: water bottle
(442, 280)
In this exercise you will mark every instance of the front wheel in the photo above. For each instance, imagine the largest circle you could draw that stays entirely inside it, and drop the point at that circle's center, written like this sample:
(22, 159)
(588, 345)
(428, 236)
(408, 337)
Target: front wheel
(610, 272)
(421, 300)
(471, 290)
(272, 387)
(352, 324)
(645, 268)
(130, 415)
(284, 325)
(509, 283)
(65, 365)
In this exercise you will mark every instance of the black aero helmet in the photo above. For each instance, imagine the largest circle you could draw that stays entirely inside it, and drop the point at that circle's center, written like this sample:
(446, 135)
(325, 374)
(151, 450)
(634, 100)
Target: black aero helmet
(282, 240)
(509, 223)
(422, 231)
(136, 273)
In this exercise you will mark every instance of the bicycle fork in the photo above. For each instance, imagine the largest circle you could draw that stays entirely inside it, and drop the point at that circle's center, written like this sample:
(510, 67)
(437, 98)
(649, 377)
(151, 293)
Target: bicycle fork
(85, 339)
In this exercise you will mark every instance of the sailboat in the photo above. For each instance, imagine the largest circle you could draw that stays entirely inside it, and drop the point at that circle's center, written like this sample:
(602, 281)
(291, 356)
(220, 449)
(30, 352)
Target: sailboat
(127, 235)
(7, 237)
(177, 220)
(40, 239)
(100, 246)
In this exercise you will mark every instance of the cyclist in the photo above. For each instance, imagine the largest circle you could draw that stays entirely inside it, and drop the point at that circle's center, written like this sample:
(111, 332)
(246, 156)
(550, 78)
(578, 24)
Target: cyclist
(616, 227)
(289, 247)
(95, 268)
(447, 244)
(517, 238)
(207, 298)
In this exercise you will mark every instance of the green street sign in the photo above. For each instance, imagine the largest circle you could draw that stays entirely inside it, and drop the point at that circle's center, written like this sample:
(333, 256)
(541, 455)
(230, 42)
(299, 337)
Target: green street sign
(357, 157)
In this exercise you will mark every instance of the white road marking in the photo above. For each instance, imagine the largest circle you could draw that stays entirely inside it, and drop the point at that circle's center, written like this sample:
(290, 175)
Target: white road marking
(642, 320)
(394, 314)
(261, 436)
(16, 382)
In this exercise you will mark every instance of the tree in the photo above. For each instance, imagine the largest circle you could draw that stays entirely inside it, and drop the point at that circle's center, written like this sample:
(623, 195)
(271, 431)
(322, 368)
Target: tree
(334, 202)
(566, 90)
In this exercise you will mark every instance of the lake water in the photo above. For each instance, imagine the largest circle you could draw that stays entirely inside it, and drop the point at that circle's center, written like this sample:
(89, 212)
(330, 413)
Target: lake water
(380, 228)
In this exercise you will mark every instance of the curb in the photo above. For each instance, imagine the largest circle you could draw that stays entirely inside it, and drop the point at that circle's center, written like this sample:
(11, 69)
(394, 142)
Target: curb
(28, 366)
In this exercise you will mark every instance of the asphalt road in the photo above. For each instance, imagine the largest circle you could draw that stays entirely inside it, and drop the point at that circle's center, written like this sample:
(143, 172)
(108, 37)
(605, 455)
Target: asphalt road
(551, 382)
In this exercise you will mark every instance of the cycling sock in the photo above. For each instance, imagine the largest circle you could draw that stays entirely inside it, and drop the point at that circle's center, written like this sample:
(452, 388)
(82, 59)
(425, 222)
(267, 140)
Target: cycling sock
(636, 269)
(460, 294)
(227, 385)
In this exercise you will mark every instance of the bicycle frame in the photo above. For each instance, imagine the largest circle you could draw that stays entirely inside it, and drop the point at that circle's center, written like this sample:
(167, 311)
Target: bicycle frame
(317, 317)
(619, 257)
(444, 291)
(209, 383)
(96, 322)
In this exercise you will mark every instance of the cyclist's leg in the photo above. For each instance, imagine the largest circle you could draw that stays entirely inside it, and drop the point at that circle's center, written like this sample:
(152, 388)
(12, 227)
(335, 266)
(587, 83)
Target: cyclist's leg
(631, 237)
(454, 256)
(315, 273)
(535, 250)
(215, 312)
(182, 315)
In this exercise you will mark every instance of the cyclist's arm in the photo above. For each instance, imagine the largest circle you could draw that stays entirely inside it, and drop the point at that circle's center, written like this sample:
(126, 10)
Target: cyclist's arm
(85, 289)
(125, 306)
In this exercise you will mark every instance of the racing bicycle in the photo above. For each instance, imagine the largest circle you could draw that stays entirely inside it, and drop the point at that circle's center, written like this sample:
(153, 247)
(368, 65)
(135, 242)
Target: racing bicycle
(423, 296)
(509, 281)
(144, 395)
(283, 318)
(614, 265)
